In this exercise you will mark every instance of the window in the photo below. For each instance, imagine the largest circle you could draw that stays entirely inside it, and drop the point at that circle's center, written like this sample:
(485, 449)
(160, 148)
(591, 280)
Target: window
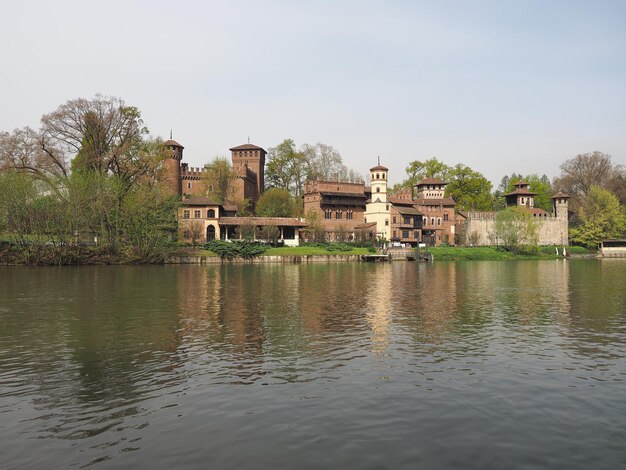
(210, 214)
(393, 219)
(445, 217)
(328, 214)
(405, 234)
(349, 214)
(377, 176)
(416, 234)
(186, 214)
(439, 221)
(338, 214)
(382, 176)
(196, 214)
(407, 220)
(394, 234)
(386, 222)
(387, 207)
(432, 221)
(377, 190)
(188, 185)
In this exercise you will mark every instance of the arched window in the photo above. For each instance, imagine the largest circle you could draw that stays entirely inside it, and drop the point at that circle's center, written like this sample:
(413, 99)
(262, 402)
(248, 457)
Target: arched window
(328, 214)
(377, 190)
(210, 233)
(439, 221)
(377, 176)
(338, 214)
(210, 214)
(445, 216)
(349, 214)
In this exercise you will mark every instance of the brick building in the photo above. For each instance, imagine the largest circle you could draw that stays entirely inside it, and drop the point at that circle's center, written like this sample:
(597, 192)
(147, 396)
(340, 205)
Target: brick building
(340, 206)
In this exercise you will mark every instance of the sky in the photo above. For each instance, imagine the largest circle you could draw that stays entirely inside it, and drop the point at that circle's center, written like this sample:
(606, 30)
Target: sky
(500, 86)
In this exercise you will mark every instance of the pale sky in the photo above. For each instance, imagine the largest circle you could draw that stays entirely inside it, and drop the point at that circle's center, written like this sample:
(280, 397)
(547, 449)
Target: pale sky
(500, 86)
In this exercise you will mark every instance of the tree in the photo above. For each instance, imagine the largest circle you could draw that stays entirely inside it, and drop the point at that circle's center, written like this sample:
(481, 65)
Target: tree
(540, 185)
(275, 202)
(585, 170)
(218, 179)
(271, 234)
(514, 227)
(286, 167)
(600, 217)
(289, 168)
(315, 229)
(469, 188)
(101, 135)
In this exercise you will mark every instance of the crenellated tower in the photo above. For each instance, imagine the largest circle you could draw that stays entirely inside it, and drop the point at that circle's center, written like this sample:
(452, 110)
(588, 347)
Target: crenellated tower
(172, 166)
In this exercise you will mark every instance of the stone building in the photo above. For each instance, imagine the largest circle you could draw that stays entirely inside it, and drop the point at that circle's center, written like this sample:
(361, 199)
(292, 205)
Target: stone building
(478, 228)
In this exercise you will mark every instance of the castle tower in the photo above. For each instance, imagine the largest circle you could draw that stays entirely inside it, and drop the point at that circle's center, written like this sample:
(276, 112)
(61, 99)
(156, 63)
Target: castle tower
(560, 204)
(249, 160)
(521, 196)
(172, 166)
(377, 210)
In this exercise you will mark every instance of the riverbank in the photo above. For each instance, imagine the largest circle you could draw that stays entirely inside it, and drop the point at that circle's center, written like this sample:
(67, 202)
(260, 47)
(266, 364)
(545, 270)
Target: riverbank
(313, 254)
(297, 254)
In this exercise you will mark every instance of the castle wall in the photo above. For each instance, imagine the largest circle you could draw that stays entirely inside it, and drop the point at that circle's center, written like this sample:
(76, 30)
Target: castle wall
(479, 229)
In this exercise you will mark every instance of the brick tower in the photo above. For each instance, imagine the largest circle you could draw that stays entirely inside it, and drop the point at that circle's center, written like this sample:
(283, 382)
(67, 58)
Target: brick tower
(172, 166)
(249, 164)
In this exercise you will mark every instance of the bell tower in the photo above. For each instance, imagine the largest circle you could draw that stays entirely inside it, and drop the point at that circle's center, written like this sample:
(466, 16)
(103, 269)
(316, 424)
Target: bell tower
(377, 209)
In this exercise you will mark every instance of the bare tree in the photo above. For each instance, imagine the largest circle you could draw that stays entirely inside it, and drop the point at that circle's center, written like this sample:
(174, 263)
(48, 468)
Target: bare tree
(583, 171)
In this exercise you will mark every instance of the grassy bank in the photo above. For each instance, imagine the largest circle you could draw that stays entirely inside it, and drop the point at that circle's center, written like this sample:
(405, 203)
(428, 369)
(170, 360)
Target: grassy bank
(453, 253)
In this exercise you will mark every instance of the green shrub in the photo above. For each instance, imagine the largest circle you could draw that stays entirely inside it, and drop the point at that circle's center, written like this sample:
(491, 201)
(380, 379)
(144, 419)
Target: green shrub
(237, 248)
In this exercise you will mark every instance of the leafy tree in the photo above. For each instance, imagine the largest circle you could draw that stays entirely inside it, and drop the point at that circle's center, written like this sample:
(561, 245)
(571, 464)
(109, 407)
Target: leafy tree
(285, 167)
(218, 179)
(600, 217)
(514, 227)
(418, 170)
(540, 185)
(289, 168)
(275, 202)
(469, 188)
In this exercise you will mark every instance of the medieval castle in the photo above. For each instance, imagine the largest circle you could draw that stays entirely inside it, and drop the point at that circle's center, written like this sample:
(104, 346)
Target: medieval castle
(414, 216)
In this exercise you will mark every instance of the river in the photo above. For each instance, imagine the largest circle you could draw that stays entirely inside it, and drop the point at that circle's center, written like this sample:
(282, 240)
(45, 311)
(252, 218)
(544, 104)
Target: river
(469, 365)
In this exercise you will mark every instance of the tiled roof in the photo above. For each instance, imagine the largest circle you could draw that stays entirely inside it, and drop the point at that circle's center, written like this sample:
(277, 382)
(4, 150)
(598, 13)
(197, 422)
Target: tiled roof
(520, 192)
(560, 195)
(430, 181)
(247, 147)
(399, 201)
(173, 143)
(364, 226)
(379, 168)
(408, 210)
(446, 201)
(278, 221)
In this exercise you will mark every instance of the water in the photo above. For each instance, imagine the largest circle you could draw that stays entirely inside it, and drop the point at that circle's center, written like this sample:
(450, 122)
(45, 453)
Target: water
(470, 365)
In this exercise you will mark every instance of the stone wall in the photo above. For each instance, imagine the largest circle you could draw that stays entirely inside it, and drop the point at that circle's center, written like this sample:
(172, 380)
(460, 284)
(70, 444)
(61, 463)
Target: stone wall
(479, 229)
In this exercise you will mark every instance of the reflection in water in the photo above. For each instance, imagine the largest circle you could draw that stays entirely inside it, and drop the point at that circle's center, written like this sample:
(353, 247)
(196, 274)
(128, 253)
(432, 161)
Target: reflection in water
(302, 363)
